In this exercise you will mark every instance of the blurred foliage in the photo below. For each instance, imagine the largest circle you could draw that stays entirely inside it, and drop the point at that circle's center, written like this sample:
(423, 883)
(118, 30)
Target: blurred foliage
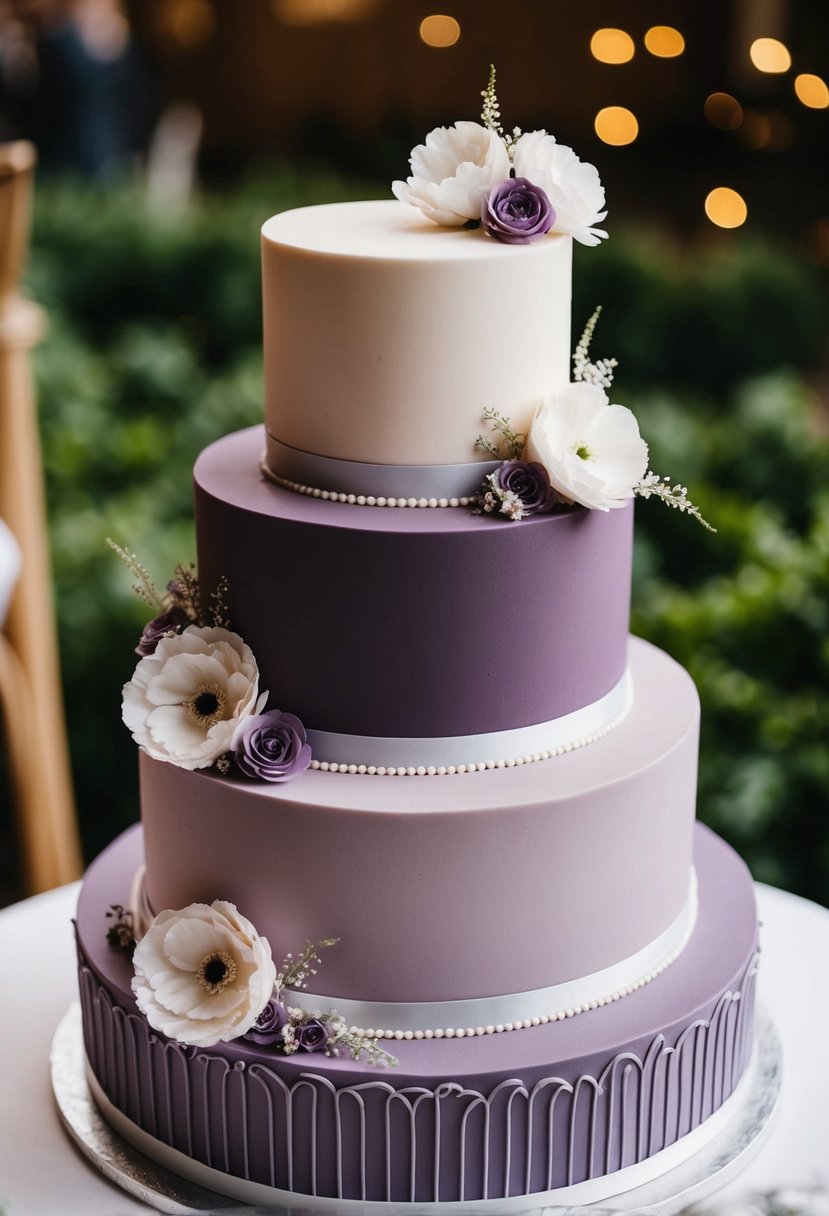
(155, 349)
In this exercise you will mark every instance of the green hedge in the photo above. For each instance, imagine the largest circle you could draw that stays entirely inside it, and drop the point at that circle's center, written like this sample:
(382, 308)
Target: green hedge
(155, 349)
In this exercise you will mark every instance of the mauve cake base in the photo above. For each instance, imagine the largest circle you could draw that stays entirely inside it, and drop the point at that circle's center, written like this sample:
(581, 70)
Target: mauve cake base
(518, 1113)
(440, 888)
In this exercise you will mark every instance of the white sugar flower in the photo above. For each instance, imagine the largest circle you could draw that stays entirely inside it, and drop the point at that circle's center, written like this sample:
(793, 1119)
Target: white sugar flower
(452, 171)
(185, 700)
(592, 450)
(572, 185)
(203, 974)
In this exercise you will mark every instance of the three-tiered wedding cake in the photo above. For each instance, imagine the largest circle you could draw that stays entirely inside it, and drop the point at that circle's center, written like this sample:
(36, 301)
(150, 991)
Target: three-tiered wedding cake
(495, 819)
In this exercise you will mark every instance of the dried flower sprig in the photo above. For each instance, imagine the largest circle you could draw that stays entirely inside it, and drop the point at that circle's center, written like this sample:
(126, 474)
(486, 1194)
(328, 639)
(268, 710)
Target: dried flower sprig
(514, 440)
(493, 498)
(121, 932)
(294, 972)
(491, 112)
(491, 115)
(675, 496)
(359, 1048)
(314, 1030)
(218, 607)
(183, 592)
(290, 1029)
(600, 371)
(144, 587)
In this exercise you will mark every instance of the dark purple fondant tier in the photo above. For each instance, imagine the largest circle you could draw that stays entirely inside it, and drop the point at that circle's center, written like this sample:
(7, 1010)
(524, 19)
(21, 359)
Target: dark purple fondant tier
(413, 623)
(505, 1114)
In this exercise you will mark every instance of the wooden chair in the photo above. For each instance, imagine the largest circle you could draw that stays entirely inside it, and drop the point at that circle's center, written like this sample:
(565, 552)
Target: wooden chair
(30, 689)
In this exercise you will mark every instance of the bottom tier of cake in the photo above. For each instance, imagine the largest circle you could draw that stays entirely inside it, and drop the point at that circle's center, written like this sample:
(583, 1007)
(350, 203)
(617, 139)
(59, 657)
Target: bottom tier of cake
(571, 1104)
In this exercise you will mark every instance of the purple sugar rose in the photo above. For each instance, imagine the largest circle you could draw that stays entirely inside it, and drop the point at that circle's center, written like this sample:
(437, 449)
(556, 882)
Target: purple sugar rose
(517, 212)
(272, 746)
(268, 1026)
(173, 620)
(312, 1035)
(530, 483)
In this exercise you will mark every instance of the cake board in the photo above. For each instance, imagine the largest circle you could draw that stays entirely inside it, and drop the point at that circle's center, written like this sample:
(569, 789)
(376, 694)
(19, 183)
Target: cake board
(722, 1159)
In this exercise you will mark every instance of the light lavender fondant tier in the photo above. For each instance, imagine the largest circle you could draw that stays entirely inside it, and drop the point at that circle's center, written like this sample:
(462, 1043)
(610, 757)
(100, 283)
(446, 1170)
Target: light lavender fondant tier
(461, 1119)
(413, 623)
(455, 888)
(386, 336)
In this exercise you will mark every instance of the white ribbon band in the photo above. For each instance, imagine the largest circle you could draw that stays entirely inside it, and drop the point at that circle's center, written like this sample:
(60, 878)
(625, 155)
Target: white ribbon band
(470, 752)
(515, 1010)
(398, 481)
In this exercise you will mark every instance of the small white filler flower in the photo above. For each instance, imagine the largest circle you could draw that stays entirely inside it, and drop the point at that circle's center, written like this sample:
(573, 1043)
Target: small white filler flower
(452, 171)
(203, 974)
(592, 450)
(185, 700)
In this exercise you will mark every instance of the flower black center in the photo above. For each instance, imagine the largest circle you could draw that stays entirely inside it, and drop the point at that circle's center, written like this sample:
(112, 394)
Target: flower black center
(206, 703)
(206, 706)
(216, 971)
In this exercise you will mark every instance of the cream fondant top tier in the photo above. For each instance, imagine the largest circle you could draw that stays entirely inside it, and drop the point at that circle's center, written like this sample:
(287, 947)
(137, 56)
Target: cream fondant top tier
(386, 336)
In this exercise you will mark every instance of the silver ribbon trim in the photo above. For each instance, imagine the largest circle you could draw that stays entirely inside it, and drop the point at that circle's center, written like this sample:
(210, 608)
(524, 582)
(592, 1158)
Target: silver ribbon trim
(497, 1011)
(375, 480)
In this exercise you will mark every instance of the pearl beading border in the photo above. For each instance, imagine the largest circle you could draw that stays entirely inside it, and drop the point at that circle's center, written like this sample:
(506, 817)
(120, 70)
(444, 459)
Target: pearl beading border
(451, 770)
(543, 1019)
(361, 500)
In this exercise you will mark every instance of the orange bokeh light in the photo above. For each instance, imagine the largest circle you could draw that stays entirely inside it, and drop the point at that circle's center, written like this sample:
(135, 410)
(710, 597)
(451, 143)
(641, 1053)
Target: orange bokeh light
(726, 208)
(770, 55)
(440, 30)
(664, 41)
(615, 125)
(723, 111)
(811, 91)
(612, 46)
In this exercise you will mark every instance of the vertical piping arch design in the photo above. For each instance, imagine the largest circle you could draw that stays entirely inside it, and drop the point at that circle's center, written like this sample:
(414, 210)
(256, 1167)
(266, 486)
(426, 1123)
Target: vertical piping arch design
(374, 1141)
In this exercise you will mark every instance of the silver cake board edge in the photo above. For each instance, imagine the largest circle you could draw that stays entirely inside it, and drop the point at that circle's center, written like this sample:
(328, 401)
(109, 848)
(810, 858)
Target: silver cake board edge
(717, 1164)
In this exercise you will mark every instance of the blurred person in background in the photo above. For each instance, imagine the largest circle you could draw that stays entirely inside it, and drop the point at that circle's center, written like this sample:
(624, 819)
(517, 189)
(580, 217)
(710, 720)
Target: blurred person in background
(73, 81)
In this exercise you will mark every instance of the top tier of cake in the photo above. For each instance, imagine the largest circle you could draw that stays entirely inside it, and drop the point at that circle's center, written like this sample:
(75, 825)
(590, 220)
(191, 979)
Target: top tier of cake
(386, 336)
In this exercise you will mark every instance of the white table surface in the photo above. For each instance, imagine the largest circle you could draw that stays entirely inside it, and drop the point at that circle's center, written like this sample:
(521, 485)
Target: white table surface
(41, 1173)
(11, 560)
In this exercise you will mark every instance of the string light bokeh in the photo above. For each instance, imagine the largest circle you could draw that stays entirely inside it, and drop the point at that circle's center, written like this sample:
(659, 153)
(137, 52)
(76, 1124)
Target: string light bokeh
(669, 97)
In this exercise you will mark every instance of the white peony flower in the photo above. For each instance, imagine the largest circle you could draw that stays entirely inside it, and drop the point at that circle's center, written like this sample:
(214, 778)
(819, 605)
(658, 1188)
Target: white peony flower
(572, 186)
(185, 700)
(452, 171)
(592, 450)
(203, 974)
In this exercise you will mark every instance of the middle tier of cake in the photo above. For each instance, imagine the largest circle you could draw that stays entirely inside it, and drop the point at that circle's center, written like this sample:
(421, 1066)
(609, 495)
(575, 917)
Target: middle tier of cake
(509, 884)
(419, 638)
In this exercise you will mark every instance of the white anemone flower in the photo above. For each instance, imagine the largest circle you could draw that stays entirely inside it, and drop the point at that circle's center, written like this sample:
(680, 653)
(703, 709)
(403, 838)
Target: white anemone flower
(452, 172)
(185, 700)
(592, 450)
(573, 186)
(203, 974)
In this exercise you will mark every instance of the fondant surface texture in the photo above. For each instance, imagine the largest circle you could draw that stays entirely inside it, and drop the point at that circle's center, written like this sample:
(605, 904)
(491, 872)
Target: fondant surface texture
(442, 889)
(385, 336)
(411, 623)
(460, 1119)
